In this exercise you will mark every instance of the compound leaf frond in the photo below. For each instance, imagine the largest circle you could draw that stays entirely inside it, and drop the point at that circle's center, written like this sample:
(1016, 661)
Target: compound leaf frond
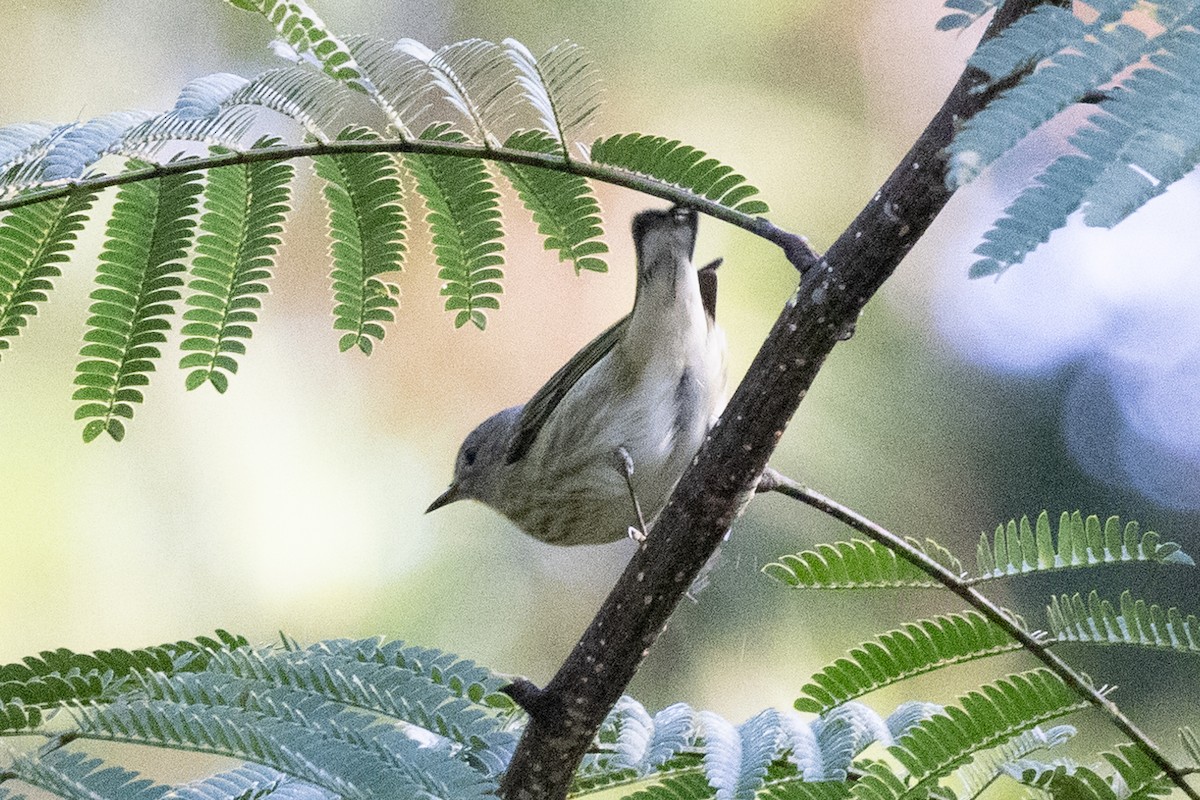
(367, 225)
(681, 165)
(244, 210)
(464, 215)
(138, 278)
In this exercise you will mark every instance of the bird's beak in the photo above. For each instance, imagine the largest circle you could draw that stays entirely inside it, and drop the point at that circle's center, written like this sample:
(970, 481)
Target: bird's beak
(445, 498)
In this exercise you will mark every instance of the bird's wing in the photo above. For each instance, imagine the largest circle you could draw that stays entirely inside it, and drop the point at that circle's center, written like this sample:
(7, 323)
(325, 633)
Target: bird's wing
(708, 287)
(542, 405)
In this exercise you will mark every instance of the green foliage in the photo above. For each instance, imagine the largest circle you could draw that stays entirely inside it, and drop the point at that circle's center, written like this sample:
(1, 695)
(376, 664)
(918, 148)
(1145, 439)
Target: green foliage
(40, 684)
(561, 204)
(1140, 140)
(681, 165)
(966, 12)
(1138, 624)
(561, 87)
(858, 564)
(74, 776)
(913, 649)
(982, 719)
(1017, 548)
(476, 78)
(464, 215)
(476, 101)
(988, 766)
(1022, 548)
(1128, 775)
(356, 719)
(367, 225)
(148, 236)
(34, 240)
(244, 212)
(304, 31)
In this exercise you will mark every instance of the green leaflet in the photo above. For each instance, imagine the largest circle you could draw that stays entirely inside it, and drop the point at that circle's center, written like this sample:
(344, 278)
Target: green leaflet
(1129, 775)
(44, 682)
(34, 240)
(1020, 548)
(301, 28)
(1140, 141)
(981, 719)
(464, 215)
(679, 164)
(562, 204)
(73, 775)
(858, 564)
(245, 207)
(966, 12)
(913, 649)
(1138, 624)
(366, 225)
(561, 87)
(147, 236)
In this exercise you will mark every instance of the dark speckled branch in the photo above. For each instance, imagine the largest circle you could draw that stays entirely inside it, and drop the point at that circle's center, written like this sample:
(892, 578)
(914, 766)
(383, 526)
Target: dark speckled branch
(714, 490)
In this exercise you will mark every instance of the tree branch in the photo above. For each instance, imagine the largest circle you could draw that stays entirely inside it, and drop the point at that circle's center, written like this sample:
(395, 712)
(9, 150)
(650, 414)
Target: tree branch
(722, 479)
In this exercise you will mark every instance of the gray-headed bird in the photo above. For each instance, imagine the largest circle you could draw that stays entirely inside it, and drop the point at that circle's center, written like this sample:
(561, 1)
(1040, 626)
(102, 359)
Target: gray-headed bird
(594, 455)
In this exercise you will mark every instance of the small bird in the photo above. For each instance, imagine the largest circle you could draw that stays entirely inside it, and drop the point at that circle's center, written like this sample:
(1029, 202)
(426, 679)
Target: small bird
(612, 431)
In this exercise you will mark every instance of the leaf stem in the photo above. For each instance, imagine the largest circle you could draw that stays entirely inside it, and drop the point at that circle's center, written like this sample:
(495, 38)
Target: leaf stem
(1040, 649)
(796, 248)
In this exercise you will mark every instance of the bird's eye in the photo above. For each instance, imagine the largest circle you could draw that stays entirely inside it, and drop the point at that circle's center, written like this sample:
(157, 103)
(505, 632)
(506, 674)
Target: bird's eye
(469, 456)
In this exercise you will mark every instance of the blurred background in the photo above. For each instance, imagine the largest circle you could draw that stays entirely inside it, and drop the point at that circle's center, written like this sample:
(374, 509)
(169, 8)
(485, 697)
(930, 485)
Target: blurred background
(295, 502)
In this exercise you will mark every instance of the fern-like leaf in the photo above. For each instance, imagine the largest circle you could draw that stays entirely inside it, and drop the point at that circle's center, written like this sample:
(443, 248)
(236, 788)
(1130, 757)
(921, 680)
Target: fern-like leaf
(433, 767)
(380, 689)
(1035, 36)
(914, 649)
(964, 13)
(1191, 743)
(249, 782)
(245, 207)
(562, 205)
(1020, 548)
(736, 759)
(1157, 108)
(681, 165)
(310, 98)
(61, 676)
(477, 78)
(858, 564)
(138, 280)
(1091, 61)
(34, 240)
(462, 677)
(346, 767)
(22, 141)
(366, 225)
(1138, 624)
(401, 80)
(464, 214)
(1129, 775)
(982, 719)
(561, 87)
(75, 776)
(988, 766)
(16, 716)
(66, 152)
(306, 33)
(1138, 143)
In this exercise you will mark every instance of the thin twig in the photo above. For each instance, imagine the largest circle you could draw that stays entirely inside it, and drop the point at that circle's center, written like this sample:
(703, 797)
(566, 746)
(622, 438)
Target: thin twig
(796, 248)
(775, 482)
